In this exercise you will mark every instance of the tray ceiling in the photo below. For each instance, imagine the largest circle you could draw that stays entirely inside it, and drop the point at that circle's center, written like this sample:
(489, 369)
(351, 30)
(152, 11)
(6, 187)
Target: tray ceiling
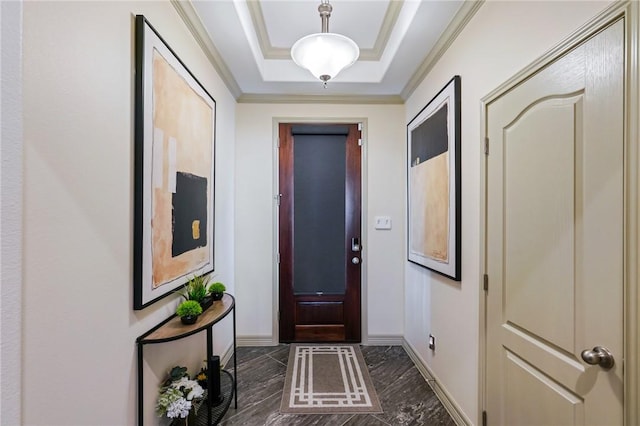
(249, 43)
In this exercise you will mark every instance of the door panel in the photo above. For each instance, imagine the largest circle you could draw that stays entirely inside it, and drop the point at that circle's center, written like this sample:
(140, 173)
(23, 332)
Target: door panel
(310, 313)
(539, 175)
(553, 403)
(319, 216)
(319, 170)
(555, 240)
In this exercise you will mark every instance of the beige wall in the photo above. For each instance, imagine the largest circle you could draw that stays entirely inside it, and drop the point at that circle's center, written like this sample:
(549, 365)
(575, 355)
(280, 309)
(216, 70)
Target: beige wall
(10, 212)
(502, 38)
(255, 213)
(79, 354)
(79, 364)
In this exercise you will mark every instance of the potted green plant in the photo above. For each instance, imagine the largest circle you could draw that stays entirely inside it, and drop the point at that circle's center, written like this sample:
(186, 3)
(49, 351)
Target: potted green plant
(188, 311)
(196, 289)
(217, 290)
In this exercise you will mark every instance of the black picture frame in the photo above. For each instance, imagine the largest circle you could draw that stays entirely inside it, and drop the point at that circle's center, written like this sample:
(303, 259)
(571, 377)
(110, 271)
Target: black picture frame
(434, 183)
(174, 171)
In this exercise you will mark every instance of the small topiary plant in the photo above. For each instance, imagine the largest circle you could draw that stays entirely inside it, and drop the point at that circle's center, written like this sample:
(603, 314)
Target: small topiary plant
(217, 288)
(189, 308)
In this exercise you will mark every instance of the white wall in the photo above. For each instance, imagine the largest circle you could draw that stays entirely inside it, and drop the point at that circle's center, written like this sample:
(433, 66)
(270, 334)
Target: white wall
(255, 213)
(79, 354)
(10, 211)
(501, 39)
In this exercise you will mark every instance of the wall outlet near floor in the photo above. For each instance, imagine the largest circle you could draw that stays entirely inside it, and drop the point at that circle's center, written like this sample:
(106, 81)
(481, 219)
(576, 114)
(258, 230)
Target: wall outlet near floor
(432, 342)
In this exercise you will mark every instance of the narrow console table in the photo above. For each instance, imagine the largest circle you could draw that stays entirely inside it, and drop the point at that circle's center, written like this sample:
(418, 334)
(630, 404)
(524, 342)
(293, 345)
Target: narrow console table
(173, 329)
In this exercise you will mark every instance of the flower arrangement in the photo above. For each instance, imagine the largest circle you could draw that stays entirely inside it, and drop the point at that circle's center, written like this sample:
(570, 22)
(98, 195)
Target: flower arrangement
(201, 377)
(177, 393)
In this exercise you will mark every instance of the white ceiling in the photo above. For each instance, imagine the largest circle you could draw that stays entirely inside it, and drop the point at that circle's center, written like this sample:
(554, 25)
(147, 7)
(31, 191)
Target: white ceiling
(249, 42)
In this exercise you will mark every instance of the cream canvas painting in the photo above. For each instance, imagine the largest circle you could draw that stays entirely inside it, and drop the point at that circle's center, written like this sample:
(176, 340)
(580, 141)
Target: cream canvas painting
(174, 171)
(430, 212)
(433, 183)
(182, 135)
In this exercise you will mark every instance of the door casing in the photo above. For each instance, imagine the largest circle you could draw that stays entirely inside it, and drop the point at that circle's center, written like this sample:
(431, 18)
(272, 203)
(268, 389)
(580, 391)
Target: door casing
(276, 231)
(631, 12)
(310, 316)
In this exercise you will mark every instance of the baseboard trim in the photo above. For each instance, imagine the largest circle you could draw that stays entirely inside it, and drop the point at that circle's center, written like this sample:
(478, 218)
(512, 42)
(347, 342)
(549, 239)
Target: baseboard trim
(378, 340)
(384, 340)
(256, 341)
(225, 356)
(447, 401)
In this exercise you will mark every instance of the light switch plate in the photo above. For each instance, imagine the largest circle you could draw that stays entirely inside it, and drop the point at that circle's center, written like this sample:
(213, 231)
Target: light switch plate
(382, 222)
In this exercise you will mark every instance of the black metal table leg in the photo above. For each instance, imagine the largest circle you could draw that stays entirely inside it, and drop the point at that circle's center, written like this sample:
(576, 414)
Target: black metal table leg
(235, 363)
(140, 387)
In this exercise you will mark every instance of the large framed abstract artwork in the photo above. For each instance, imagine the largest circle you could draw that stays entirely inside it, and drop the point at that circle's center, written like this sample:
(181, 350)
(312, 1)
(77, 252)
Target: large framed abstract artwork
(174, 170)
(433, 175)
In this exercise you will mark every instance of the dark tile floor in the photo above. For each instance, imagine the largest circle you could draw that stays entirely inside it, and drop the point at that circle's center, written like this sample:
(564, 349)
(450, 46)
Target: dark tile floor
(406, 397)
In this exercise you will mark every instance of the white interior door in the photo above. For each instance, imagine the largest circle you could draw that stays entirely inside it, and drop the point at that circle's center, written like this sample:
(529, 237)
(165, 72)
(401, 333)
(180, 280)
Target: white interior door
(555, 240)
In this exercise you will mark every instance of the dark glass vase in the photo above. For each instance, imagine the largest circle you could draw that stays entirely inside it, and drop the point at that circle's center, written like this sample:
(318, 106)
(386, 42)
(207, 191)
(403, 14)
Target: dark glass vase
(217, 296)
(189, 319)
(206, 303)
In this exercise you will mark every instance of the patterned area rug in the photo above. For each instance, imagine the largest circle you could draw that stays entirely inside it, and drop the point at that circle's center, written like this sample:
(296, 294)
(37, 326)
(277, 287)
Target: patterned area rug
(328, 379)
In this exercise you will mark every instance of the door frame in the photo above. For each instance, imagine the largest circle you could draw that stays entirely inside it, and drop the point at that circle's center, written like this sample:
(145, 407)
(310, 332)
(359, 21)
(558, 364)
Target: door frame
(275, 125)
(630, 12)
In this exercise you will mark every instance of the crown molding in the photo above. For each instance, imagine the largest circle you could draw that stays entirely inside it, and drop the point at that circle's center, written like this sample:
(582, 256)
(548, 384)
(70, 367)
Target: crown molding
(259, 24)
(367, 54)
(194, 23)
(388, 23)
(455, 27)
(256, 98)
(192, 20)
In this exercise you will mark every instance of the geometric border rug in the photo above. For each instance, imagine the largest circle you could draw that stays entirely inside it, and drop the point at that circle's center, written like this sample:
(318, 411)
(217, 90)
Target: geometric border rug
(328, 379)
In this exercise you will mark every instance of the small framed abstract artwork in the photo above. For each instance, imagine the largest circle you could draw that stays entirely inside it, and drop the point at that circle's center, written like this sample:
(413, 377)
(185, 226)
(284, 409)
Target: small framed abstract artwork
(433, 183)
(174, 171)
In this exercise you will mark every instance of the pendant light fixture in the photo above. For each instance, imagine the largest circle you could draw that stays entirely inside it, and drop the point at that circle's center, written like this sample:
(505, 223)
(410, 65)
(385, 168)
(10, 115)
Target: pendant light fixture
(325, 54)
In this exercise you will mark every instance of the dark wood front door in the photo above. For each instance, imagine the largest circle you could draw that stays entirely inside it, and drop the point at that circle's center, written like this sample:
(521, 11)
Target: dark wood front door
(320, 239)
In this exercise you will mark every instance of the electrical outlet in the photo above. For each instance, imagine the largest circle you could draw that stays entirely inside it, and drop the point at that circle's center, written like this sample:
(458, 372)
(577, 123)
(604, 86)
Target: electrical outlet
(432, 342)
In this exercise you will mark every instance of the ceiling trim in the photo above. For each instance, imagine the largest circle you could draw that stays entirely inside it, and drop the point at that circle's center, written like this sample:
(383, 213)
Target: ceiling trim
(455, 27)
(388, 23)
(370, 54)
(268, 51)
(318, 99)
(193, 22)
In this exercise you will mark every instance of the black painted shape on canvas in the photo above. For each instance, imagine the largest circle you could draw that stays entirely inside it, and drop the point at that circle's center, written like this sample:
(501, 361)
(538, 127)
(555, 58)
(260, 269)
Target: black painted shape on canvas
(189, 204)
(430, 138)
